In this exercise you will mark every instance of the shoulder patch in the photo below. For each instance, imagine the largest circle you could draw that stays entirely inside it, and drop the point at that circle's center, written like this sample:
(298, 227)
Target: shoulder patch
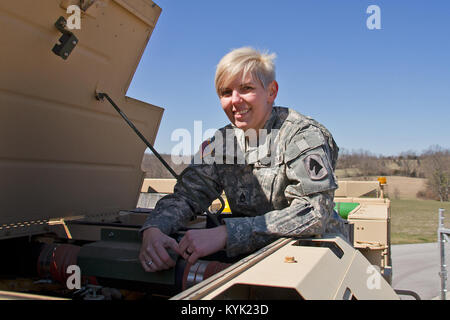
(207, 148)
(315, 167)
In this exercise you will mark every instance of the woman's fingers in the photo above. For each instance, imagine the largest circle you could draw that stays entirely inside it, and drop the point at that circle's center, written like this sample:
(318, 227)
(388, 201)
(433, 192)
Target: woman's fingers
(146, 262)
(187, 247)
(193, 257)
(194, 245)
(153, 254)
(162, 257)
(199, 243)
(183, 247)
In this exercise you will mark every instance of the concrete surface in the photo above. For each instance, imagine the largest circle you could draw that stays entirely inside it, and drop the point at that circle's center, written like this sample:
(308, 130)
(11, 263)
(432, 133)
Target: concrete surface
(416, 267)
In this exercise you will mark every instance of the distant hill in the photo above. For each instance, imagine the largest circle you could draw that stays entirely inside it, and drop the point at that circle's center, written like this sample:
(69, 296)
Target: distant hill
(153, 168)
(431, 168)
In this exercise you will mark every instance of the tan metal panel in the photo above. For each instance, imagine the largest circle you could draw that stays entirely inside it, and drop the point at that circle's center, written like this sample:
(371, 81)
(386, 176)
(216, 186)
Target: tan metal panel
(158, 185)
(371, 211)
(356, 188)
(318, 273)
(62, 152)
(371, 232)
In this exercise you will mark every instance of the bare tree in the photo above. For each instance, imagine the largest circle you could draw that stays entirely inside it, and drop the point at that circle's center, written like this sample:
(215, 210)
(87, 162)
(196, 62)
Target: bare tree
(153, 168)
(408, 163)
(363, 160)
(436, 164)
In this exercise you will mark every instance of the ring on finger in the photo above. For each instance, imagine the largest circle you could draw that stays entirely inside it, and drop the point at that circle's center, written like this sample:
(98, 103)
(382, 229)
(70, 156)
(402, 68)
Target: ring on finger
(149, 263)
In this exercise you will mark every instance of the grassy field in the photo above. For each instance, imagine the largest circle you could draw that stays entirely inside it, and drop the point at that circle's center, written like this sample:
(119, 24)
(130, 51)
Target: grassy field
(416, 221)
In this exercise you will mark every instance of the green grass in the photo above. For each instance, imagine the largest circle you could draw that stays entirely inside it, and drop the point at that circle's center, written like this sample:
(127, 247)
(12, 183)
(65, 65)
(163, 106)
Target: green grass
(416, 221)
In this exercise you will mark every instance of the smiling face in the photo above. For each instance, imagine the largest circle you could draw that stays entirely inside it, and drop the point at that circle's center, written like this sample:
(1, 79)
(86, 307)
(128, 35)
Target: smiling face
(247, 103)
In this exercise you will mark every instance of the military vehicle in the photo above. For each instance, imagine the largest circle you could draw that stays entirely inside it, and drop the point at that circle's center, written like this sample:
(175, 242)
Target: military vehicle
(72, 179)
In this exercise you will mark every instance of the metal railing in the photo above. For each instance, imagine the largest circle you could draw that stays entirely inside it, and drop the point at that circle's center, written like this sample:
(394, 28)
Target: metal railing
(442, 238)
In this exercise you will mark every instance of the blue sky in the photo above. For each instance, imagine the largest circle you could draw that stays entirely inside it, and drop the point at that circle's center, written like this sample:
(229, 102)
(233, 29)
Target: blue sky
(385, 91)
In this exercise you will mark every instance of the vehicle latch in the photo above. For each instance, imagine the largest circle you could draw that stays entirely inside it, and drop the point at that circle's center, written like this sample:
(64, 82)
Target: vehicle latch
(67, 42)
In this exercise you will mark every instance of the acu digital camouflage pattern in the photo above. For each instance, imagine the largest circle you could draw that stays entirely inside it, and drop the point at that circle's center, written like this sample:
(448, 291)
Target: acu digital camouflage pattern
(283, 187)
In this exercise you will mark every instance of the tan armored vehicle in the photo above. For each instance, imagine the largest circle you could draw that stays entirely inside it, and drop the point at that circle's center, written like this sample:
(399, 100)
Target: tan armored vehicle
(72, 179)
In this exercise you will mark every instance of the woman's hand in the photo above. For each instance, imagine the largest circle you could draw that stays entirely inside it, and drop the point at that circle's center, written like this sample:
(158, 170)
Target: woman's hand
(202, 242)
(153, 254)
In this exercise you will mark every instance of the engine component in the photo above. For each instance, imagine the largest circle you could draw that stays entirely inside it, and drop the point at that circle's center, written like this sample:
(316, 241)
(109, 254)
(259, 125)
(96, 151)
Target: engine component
(201, 270)
(113, 262)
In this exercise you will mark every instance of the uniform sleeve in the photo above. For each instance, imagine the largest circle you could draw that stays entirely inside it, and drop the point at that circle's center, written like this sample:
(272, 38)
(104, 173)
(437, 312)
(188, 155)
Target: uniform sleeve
(310, 194)
(174, 211)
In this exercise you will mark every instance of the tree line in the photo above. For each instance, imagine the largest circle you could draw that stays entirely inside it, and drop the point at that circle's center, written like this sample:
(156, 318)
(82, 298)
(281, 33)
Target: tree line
(432, 164)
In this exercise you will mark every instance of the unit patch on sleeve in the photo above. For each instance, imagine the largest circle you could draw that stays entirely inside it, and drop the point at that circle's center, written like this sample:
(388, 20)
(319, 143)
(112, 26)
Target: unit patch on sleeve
(207, 148)
(314, 167)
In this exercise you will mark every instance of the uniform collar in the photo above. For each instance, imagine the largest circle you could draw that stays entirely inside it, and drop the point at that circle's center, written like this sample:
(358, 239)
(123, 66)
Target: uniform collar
(260, 153)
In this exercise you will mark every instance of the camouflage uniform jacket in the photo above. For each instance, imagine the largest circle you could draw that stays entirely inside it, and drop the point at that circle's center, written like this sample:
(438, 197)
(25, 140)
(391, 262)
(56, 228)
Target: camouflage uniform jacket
(282, 186)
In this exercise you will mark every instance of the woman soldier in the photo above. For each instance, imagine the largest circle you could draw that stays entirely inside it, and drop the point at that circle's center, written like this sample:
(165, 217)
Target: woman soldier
(275, 166)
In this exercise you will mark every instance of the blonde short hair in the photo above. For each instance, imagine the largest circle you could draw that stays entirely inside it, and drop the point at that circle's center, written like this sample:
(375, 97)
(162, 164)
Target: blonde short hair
(244, 60)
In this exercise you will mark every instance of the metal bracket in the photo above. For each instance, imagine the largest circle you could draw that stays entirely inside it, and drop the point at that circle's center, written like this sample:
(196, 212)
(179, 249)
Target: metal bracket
(89, 292)
(85, 4)
(407, 293)
(67, 42)
(442, 238)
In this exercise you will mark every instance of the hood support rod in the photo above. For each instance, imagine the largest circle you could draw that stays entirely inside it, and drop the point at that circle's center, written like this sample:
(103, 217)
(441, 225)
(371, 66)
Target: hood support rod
(213, 217)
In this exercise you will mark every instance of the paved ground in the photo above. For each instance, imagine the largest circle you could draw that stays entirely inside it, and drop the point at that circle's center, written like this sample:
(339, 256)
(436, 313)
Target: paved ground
(416, 267)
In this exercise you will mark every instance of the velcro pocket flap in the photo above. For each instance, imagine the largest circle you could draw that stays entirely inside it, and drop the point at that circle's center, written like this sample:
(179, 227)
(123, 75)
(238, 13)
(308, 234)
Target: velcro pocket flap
(302, 143)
